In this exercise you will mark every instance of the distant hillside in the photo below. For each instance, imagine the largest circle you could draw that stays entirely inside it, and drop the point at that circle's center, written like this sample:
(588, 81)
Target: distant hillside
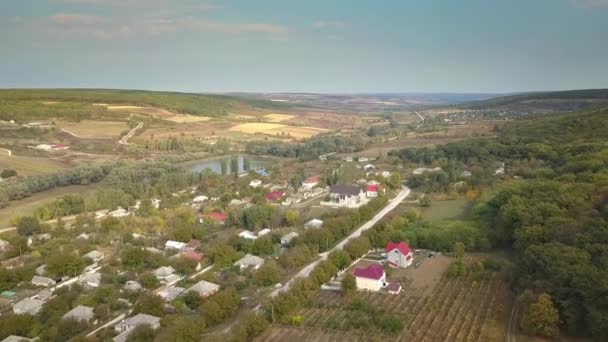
(30, 103)
(546, 102)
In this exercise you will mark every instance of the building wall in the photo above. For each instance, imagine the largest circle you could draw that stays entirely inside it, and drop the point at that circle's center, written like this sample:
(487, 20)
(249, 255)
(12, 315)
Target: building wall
(396, 257)
(369, 284)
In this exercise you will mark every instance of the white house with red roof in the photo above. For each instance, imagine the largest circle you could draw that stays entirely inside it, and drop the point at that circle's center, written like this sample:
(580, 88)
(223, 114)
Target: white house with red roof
(373, 190)
(371, 278)
(399, 255)
(311, 182)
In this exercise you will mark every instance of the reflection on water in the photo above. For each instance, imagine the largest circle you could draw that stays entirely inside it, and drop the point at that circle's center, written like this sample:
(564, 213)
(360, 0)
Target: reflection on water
(226, 165)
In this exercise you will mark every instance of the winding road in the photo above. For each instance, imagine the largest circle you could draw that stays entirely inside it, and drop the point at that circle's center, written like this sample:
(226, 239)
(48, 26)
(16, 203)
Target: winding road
(9, 152)
(125, 140)
(305, 272)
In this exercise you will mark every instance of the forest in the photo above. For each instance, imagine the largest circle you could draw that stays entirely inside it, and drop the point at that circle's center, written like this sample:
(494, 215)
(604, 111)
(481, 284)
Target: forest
(310, 149)
(553, 216)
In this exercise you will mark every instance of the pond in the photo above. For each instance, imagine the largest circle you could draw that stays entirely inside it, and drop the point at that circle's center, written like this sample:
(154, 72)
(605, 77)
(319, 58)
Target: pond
(225, 165)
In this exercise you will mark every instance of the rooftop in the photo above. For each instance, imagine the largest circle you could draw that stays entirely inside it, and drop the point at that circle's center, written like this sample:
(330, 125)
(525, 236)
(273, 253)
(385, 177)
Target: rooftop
(371, 272)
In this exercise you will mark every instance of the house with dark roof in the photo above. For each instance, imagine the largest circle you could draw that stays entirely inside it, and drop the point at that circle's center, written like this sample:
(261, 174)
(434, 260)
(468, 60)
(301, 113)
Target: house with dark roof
(371, 278)
(126, 326)
(350, 196)
(80, 313)
(399, 255)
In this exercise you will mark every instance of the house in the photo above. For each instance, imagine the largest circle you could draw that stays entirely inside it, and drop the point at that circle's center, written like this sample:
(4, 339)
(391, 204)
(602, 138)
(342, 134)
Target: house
(350, 196)
(287, 238)
(44, 147)
(193, 244)
(373, 190)
(193, 255)
(118, 213)
(466, 173)
(95, 255)
(132, 285)
(170, 244)
(169, 293)
(385, 174)
(216, 217)
(422, 170)
(80, 313)
(28, 305)
(255, 183)
(247, 234)
(83, 236)
(91, 279)
(235, 202)
(264, 232)
(275, 195)
(204, 288)
(43, 295)
(4, 245)
(126, 326)
(59, 147)
(164, 273)
(371, 278)
(249, 261)
(394, 287)
(313, 224)
(311, 182)
(155, 203)
(200, 199)
(263, 173)
(369, 168)
(399, 255)
(42, 281)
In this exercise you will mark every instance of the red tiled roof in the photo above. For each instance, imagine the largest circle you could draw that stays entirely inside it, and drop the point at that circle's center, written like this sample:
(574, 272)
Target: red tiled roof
(59, 146)
(401, 246)
(275, 195)
(372, 188)
(371, 272)
(193, 255)
(218, 217)
(313, 179)
(394, 286)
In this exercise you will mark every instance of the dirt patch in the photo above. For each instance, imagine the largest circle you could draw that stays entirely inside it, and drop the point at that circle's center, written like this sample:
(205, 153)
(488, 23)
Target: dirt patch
(256, 127)
(123, 107)
(278, 117)
(296, 132)
(423, 279)
(183, 118)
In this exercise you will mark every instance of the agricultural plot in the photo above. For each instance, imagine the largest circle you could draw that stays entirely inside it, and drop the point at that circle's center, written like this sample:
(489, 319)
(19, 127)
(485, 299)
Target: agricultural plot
(296, 132)
(458, 309)
(91, 129)
(277, 117)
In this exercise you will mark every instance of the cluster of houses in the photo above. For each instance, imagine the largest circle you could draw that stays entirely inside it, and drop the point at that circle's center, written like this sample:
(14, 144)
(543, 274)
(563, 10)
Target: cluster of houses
(373, 277)
(353, 196)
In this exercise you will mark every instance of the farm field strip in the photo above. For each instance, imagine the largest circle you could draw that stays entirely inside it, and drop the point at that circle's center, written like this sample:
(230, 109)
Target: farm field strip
(471, 319)
(489, 306)
(453, 317)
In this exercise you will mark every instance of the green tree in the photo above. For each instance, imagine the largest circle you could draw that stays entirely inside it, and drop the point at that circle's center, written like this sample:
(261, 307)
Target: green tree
(459, 250)
(267, 274)
(28, 225)
(63, 264)
(349, 284)
(150, 304)
(291, 217)
(541, 318)
(142, 333)
(8, 173)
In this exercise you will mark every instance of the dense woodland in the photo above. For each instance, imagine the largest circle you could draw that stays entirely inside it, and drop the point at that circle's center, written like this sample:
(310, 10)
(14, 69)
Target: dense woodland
(310, 149)
(77, 104)
(554, 217)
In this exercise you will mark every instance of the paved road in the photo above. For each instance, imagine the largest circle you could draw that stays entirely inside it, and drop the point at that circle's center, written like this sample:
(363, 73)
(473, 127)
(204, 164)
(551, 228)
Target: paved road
(305, 272)
(125, 139)
(71, 133)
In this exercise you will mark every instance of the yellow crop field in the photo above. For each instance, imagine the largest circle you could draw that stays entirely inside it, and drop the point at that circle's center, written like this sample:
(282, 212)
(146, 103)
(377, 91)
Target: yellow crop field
(255, 127)
(123, 107)
(184, 118)
(296, 132)
(277, 117)
(91, 129)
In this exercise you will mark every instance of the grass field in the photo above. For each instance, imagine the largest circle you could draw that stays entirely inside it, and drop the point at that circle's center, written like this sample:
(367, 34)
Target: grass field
(185, 118)
(256, 127)
(27, 206)
(445, 210)
(90, 129)
(26, 166)
(297, 132)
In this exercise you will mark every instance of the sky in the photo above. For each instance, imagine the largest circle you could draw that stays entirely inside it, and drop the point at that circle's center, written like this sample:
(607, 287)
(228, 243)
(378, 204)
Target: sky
(323, 46)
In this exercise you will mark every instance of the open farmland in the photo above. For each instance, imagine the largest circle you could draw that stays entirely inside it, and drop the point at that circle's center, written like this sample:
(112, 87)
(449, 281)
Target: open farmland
(27, 166)
(90, 129)
(278, 117)
(297, 132)
(457, 309)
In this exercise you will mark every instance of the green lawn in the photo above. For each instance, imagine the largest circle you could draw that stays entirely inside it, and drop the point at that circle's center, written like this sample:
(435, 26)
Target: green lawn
(27, 206)
(445, 210)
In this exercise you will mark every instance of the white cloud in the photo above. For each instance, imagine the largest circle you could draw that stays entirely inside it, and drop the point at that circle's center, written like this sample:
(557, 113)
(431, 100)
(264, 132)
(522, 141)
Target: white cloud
(601, 4)
(78, 19)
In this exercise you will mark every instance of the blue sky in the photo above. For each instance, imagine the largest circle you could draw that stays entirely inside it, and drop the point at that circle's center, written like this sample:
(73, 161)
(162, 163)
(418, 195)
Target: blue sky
(305, 46)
